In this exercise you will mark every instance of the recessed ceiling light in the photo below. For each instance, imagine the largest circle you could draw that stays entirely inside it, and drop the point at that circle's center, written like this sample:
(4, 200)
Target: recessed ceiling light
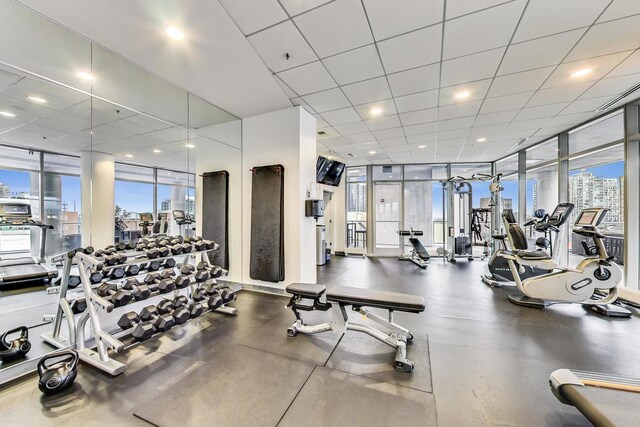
(481, 139)
(85, 76)
(157, 151)
(128, 155)
(581, 73)
(462, 95)
(174, 33)
(375, 111)
(421, 146)
(7, 114)
(37, 99)
(189, 145)
(372, 152)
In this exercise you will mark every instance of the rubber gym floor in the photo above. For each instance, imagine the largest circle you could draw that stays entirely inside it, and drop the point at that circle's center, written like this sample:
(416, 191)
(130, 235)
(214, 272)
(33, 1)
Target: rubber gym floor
(480, 360)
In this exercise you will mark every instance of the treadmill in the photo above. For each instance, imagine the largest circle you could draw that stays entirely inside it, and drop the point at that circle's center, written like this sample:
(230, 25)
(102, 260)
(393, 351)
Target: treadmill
(24, 269)
(605, 400)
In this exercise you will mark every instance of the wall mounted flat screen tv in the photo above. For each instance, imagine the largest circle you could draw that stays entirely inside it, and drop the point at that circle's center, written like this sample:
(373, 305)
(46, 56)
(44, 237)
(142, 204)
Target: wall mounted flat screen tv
(328, 171)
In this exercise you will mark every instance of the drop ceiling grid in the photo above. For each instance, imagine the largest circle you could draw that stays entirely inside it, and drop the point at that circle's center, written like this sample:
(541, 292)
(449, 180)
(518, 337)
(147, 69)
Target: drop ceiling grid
(346, 96)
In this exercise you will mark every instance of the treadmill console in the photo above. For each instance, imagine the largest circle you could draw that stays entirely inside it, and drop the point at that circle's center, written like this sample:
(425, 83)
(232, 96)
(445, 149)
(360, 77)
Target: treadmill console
(560, 214)
(15, 210)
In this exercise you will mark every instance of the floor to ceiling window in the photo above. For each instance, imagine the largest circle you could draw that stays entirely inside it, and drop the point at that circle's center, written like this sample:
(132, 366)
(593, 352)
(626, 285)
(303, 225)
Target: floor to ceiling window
(133, 196)
(356, 204)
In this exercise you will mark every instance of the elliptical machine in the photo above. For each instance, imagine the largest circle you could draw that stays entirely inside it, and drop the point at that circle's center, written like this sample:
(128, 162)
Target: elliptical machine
(582, 284)
(500, 273)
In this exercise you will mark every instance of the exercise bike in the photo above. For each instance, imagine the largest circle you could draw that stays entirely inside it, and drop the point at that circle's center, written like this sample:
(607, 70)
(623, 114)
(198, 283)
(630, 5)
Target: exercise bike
(581, 285)
(419, 255)
(549, 225)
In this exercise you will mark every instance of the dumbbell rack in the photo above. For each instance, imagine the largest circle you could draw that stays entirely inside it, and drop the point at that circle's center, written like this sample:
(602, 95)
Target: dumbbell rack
(94, 350)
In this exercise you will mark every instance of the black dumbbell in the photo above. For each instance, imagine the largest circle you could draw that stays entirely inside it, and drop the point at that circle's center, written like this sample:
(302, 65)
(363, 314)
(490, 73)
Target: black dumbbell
(165, 286)
(201, 276)
(186, 248)
(202, 265)
(187, 269)
(141, 330)
(210, 297)
(182, 281)
(110, 259)
(118, 297)
(216, 272)
(200, 245)
(195, 309)
(139, 291)
(176, 249)
(131, 270)
(80, 250)
(179, 238)
(163, 251)
(162, 322)
(113, 273)
(166, 273)
(141, 247)
(153, 253)
(215, 301)
(121, 258)
(74, 281)
(180, 314)
(169, 263)
(150, 265)
(120, 246)
(78, 305)
(96, 277)
(227, 295)
(151, 278)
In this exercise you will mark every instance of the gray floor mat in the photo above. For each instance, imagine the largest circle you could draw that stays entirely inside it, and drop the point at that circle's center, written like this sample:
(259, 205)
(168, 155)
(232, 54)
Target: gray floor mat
(240, 386)
(335, 398)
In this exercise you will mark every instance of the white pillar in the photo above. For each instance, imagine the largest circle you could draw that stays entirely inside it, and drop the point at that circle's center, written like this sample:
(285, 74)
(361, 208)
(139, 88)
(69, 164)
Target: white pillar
(97, 172)
(178, 197)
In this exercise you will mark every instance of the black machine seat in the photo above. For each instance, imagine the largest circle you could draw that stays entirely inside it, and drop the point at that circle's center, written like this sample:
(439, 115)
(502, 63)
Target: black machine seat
(533, 255)
(378, 299)
(420, 250)
(306, 290)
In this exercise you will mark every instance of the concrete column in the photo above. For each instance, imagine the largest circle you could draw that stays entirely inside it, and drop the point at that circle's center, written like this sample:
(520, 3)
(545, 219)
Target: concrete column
(97, 174)
(547, 185)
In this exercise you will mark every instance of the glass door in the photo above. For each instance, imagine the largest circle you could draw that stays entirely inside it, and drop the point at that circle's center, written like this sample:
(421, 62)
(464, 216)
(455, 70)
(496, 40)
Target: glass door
(356, 219)
(387, 203)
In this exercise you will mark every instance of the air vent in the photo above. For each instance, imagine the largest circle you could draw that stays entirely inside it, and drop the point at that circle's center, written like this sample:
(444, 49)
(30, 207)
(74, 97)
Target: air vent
(517, 144)
(617, 99)
(321, 132)
(350, 155)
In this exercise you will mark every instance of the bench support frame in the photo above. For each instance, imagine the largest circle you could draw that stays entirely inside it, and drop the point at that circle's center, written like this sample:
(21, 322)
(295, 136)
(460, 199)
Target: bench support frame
(397, 338)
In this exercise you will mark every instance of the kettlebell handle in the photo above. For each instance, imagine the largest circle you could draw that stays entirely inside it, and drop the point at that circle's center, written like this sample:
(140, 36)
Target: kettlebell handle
(24, 333)
(70, 357)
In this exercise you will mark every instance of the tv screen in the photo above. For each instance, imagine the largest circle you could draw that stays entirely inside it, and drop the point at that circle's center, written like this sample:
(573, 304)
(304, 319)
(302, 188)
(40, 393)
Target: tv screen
(328, 171)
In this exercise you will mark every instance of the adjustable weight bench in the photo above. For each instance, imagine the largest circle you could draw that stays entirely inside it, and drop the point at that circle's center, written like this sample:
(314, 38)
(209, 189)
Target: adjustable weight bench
(339, 297)
(419, 255)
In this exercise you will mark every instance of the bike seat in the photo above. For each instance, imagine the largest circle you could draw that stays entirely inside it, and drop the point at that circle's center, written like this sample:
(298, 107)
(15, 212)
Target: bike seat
(534, 255)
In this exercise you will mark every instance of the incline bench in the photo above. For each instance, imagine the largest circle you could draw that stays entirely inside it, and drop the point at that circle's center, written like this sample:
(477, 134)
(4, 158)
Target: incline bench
(338, 297)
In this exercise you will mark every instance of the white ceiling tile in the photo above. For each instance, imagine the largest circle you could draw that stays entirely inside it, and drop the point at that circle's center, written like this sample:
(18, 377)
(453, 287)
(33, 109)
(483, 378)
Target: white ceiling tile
(620, 9)
(393, 142)
(355, 65)
(477, 90)
(480, 31)
(335, 27)
(631, 65)
(380, 123)
(540, 112)
(301, 102)
(417, 101)
(331, 99)
(296, 7)
(523, 125)
(320, 122)
(338, 117)
(599, 67)
(456, 134)
(308, 78)
(360, 137)
(415, 80)
(539, 53)
(469, 68)
(462, 109)
(390, 18)
(558, 94)
(367, 91)
(423, 138)
(612, 86)
(613, 36)
(333, 142)
(546, 17)
(251, 16)
(454, 124)
(569, 119)
(386, 106)
(585, 105)
(327, 133)
(352, 128)
(388, 133)
(421, 128)
(287, 91)
(501, 118)
(272, 44)
(398, 149)
(519, 82)
(420, 116)
(371, 145)
(411, 50)
(505, 102)
(462, 7)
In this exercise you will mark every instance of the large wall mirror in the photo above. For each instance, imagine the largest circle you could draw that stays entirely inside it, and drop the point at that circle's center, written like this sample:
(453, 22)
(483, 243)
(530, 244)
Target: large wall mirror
(68, 109)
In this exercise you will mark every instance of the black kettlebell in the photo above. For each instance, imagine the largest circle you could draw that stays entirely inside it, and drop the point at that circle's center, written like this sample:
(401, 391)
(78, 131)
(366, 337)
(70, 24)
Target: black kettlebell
(59, 375)
(19, 347)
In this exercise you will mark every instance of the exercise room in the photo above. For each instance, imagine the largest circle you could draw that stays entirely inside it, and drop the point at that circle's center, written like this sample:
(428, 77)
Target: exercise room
(320, 213)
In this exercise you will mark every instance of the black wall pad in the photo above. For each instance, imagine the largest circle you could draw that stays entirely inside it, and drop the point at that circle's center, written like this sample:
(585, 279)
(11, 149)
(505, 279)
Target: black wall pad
(267, 223)
(215, 215)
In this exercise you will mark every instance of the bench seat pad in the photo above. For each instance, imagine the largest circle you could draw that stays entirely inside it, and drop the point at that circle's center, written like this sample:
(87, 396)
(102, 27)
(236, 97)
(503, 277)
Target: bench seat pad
(306, 289)
(379, 299)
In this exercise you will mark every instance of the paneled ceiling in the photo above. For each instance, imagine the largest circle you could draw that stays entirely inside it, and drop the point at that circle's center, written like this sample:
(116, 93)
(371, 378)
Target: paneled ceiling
(443, 80)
